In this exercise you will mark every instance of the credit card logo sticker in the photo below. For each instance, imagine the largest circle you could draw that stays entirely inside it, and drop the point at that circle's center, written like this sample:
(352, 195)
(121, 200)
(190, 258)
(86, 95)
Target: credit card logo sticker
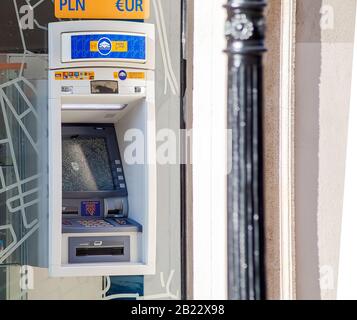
(122, 75)
(90, 208)
(104, 46)
(74, 76)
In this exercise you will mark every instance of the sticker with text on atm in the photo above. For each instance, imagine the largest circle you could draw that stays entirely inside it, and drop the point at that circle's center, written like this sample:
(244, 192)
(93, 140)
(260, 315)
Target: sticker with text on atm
(123, 75)
(90, 208)
(103, 9)
(112, 46)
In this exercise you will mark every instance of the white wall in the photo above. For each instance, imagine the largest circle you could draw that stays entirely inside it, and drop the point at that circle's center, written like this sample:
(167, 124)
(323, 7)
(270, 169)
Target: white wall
(209, 153)
(347, 276)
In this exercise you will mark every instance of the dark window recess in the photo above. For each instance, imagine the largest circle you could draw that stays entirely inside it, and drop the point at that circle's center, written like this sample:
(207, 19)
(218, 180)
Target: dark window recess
(34, 37)
(113, 251)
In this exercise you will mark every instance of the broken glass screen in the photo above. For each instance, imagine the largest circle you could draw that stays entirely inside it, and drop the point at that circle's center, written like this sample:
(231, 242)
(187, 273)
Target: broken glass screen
(86, 165)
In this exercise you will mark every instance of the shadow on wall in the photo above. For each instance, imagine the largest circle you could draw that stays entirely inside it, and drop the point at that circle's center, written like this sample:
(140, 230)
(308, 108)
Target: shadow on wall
(308, 72)
(324, 50)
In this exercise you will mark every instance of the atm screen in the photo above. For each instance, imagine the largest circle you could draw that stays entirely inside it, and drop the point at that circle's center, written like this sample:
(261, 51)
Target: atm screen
(86, 166)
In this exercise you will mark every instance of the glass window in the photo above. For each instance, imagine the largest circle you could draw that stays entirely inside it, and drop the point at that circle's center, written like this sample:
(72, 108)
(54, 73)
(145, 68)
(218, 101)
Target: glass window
(24, 162)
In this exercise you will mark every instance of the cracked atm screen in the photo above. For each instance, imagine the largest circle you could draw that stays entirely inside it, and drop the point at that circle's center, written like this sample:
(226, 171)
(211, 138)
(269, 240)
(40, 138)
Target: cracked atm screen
(86, 165)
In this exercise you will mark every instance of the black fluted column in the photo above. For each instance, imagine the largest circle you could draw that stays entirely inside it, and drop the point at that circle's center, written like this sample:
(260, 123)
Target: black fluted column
(245, 34)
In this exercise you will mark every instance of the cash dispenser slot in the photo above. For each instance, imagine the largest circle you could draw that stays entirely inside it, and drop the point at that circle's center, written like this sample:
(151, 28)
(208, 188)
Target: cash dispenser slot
(99, 249)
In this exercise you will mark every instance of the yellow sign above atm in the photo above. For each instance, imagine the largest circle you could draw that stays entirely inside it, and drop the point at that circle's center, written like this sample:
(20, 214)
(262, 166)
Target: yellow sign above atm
(103, 9)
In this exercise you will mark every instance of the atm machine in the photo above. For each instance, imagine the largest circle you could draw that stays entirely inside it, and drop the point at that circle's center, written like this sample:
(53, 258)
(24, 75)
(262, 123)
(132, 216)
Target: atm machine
(102, 213)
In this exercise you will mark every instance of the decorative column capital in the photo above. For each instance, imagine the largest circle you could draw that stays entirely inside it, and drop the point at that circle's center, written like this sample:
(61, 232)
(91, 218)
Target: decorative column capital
(245, 26)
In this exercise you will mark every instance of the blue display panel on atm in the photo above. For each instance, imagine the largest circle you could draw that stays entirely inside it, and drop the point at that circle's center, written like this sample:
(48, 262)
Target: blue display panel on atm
(108, 46)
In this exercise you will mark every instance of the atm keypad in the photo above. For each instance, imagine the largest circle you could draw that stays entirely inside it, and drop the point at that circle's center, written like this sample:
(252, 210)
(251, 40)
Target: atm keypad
(100, 223)
(108, 224)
